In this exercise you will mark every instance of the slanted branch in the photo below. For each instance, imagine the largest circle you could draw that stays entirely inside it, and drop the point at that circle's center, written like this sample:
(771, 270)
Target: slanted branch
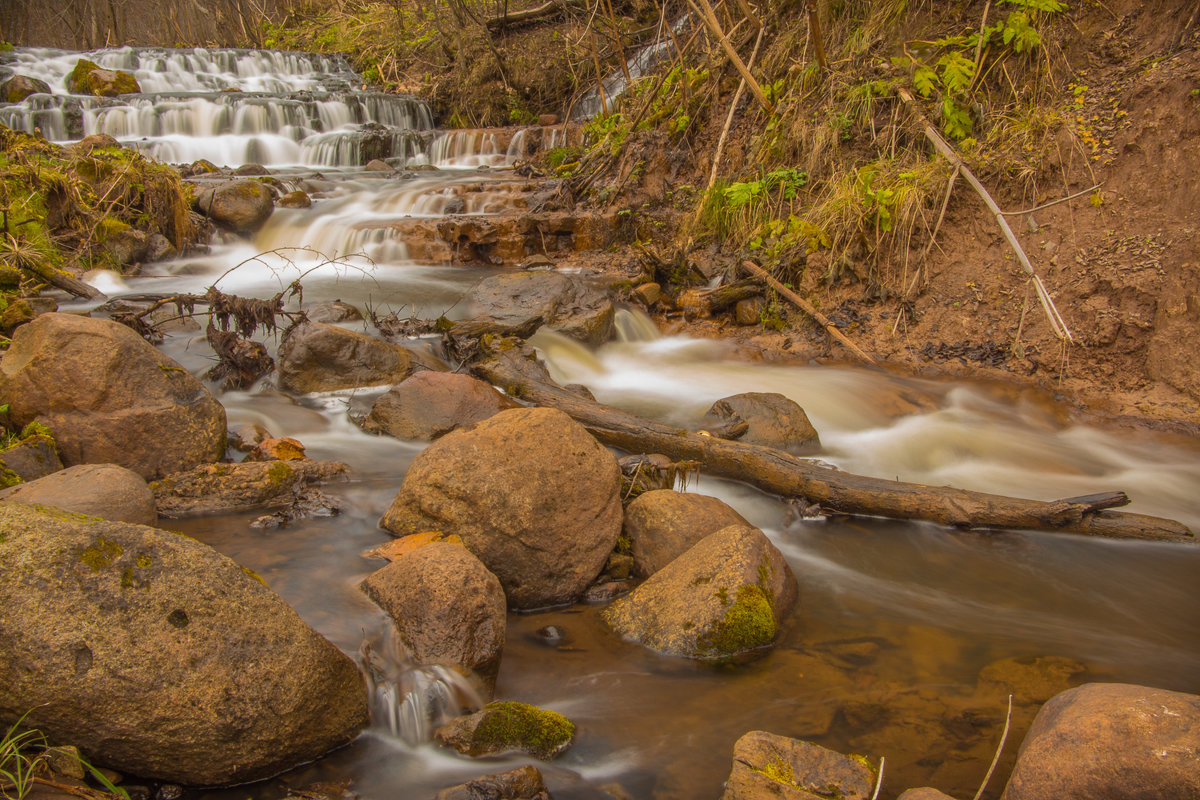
(514, 370)
(529, 16)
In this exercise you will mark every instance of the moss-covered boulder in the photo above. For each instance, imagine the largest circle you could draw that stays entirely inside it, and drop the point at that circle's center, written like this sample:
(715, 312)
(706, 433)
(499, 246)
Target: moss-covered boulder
(90, 78)
(727, 595)
(315, 357)
(505, 727)
(18, 87)
(663, 524)
(98, 490)
(529, 491)
(767, 766)
(241, 206)
(160, 657)
(109, 396)
(33, 456)
(447, 607)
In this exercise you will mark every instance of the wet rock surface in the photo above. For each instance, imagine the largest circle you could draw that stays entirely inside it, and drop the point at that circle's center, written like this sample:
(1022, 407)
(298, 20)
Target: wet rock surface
(222, 488)
(315, 357)
(663, 524)
(430, 404)
(155, 419)
(773, 420)
(241, 206)
(160, 656)
(726, 595)
(1111, 740)
(524, 783)
(766, 765)
(505, 727)
(97, 490)
(447, 607)
(544, 514)
(564, 303)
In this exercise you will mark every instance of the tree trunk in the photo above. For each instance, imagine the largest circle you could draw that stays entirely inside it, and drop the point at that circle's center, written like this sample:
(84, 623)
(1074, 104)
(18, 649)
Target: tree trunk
(777, 472)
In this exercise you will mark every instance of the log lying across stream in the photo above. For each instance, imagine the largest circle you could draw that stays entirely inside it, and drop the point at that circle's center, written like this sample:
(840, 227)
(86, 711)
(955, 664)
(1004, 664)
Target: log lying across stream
(778, 472)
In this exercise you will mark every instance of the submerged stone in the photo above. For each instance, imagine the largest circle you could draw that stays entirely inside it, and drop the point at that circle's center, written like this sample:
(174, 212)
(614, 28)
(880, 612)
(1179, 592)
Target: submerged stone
(766, 765)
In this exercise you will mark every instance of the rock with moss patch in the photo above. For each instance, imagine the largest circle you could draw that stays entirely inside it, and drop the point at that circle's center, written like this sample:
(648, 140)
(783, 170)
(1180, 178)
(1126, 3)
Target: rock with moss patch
(726, 595)
(524, 783)
(98, 490)
(227, 488)
(160, 657)
(34, 456)
(109, 396)
(91, 79)
(241, 206)
(18, 87)
(766, 765)
(315, 357)
(505, 727)
(529, 491)
(447, 607)
(663, 524)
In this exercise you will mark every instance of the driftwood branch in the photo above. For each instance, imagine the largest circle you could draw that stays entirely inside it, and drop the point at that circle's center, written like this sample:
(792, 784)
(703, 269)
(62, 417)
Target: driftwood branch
(946, 151)
(528, 16)
(807, 308)
(514, 370)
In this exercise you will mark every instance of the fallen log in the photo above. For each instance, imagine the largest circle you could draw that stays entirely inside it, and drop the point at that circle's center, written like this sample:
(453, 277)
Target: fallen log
(515, 370)
(514, 19)
(61, 280)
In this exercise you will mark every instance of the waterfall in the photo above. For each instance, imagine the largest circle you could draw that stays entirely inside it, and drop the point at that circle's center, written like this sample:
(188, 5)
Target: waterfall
(407, 701)
(602, 96)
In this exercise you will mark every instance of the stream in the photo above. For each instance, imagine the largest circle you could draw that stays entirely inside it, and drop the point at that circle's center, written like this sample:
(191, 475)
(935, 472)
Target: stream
(908, 637)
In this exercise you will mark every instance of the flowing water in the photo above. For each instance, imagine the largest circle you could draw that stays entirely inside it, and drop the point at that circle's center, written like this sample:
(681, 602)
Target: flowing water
(896, 621)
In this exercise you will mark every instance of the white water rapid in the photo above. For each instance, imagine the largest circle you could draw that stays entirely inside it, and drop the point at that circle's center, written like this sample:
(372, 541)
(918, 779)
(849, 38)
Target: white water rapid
(898, 623)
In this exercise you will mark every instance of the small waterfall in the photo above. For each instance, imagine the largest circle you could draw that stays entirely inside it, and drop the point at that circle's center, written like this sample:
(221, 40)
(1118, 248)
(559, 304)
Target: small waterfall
(633, 325)
(407, 701)
(469, 148)
(639, 64)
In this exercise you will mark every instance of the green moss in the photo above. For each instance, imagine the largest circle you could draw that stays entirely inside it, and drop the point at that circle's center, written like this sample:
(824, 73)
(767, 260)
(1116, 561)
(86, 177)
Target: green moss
(144, 561)
(252, 574)
(537, 731)
(8, 478)
(779, 770)
(279, 473)
(747, 624)
(37, 429)
(624, 545)
(100, 554)
(722, 594)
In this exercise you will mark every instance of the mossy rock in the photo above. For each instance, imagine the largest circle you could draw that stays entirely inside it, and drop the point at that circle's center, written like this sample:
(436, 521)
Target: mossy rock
(504, 727)
(91, 79)
(18, 87)
(725, 596)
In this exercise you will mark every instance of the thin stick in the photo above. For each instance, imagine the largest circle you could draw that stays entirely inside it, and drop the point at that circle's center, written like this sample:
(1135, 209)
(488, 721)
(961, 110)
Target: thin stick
(807, 308)
(814, 27)
(879, 779)
(1052, 202)
(943, 147)
(737, 97)
(1000, 747)
(710, 20)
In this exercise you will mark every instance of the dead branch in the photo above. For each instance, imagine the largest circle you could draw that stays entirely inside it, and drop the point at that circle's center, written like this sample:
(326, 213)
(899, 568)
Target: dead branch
(529, 16)
(706, 13)
(516, 371)
(807, 308)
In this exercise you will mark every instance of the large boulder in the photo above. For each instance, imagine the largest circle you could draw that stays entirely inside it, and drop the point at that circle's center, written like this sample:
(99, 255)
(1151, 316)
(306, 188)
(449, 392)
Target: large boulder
(90, 78)
(529, 491)
(508, 727)
(727, 595)
(431, 404)
(773, 420)
(315, 357)
(1114, 741)
(563, 303)
(766, 766)
(109, 396)
(241, 206)
(98, 490)
(160, 657)
(447, 607)
(664, 524)
(18, 87)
